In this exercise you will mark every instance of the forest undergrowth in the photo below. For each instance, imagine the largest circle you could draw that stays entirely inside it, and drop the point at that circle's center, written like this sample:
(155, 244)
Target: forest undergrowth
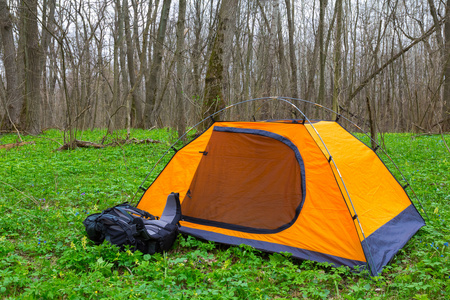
(44, 253)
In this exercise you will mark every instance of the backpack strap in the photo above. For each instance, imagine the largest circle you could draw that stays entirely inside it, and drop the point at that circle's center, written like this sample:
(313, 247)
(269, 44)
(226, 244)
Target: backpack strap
(156, 229)
(172, 210)
(124, 213)
(124, 225)
(136, 211)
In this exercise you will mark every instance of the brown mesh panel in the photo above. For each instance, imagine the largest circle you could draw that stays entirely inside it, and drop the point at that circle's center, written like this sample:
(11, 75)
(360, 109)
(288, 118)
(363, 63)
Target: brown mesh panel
(247, 180)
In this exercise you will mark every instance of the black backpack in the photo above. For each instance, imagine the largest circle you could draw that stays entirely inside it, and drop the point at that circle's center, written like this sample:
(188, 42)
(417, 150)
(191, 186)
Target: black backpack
(125, 225)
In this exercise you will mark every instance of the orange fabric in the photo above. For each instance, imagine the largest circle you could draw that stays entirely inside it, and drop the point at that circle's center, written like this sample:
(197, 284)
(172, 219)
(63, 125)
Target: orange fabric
(324, 224)
(375, 193)
(176, 176)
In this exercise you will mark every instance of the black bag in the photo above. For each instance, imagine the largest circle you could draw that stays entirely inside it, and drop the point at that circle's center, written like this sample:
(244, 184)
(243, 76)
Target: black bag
(124, 225)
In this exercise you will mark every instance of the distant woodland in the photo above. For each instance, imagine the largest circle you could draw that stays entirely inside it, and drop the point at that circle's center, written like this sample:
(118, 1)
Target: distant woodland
(117, 64)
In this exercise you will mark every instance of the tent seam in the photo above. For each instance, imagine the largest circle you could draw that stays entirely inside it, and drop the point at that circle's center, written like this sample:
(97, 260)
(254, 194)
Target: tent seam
(342, 194)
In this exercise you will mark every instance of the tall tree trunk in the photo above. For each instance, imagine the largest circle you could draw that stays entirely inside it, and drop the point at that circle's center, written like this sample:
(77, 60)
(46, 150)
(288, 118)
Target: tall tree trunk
(446, 106)
(14, 98)
(312, 67)
(150, 113)
(136, 105)
(322, 57)
(292, 57)
(268, 56)
(228, 51)
(196, 51)
(436, 23)
(48, 25)
(249, 55)
(143, 57)
(181, 118)
(32, 92)
(444, 57)
(337, 59)
(124, 99)
(118, 40)
(282, 67)
(214, 100)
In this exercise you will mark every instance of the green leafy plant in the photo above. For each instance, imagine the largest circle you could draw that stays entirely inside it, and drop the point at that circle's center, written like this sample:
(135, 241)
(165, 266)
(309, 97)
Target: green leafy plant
(44, 254)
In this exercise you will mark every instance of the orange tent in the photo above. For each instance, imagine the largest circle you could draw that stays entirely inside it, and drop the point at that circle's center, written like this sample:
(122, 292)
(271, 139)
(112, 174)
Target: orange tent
(313, 190)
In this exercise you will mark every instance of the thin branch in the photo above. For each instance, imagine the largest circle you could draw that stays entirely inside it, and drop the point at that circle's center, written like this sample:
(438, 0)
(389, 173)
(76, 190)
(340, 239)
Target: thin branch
(29, 197)
(86, 144)
(79, 115)
(266, 21)
(392, 59)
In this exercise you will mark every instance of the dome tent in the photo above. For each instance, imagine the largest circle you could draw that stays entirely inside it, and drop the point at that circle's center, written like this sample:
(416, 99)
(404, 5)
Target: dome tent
(308, 188)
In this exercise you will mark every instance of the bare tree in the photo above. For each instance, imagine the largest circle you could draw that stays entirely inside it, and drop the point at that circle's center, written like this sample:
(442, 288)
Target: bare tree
(196, 49)
(181, 118)
(322, 56)
(32, 71)
(446, 101)
(136, 109)
(14, 98)
(48, 26)
(153, 80)
(214, 97)
(292, 56)
(337, 57)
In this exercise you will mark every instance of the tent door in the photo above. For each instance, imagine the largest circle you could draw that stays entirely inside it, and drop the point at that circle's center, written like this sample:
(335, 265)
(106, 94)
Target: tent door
(247, 180)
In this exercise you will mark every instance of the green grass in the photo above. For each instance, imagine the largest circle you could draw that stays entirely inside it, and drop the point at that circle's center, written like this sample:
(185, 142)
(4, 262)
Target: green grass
(44, 254)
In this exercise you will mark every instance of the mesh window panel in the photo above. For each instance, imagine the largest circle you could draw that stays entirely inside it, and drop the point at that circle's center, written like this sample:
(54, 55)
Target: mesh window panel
(245, 180)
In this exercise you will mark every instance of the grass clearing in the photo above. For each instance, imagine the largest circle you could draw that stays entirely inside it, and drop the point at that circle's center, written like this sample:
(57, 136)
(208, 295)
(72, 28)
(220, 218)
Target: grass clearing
(44, 254)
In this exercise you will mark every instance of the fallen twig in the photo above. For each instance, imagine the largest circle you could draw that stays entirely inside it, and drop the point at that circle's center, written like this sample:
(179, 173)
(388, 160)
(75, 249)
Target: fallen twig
(85, 144)
(420, 127)
(79, 144)
(133, 141)
(13, 145)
